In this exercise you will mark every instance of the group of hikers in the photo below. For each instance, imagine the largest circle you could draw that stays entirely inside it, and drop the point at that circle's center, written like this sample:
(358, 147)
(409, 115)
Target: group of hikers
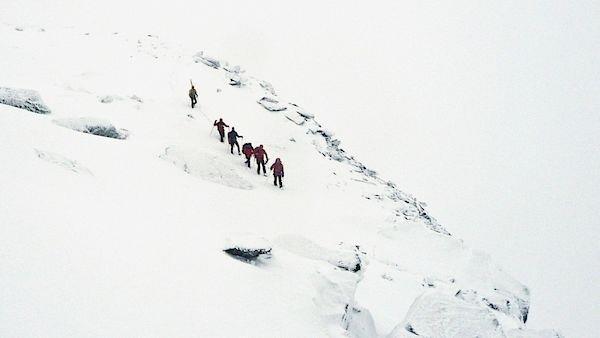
(259, 153)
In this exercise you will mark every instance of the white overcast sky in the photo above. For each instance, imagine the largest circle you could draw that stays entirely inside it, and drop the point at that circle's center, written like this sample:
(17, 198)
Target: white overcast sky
(488, 110)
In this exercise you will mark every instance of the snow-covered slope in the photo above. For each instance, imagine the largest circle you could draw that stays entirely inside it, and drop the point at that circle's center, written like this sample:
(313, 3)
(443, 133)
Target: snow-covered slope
(117, 204)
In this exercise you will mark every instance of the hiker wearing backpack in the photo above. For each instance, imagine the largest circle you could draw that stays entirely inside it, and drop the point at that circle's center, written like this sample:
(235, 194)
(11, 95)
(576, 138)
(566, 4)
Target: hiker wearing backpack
(232, 137)
(247, 150)
(221, 128)
(277, 169)
(260, 154)
(193, 96)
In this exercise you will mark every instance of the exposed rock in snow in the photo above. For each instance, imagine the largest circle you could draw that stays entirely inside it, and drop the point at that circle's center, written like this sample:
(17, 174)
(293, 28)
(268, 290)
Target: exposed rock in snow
(439, 315)
(23, 98)
(205, 166)
(62, 161)
(207, 60)
(271, 104)
(248, 247)
(93, 126)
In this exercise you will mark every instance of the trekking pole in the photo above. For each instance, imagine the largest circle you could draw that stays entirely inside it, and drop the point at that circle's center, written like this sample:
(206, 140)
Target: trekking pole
(211, 131)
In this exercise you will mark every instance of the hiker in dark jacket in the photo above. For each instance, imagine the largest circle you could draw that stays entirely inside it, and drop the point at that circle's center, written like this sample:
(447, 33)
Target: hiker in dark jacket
(193, 96)
(232, 137)
(260, 154)
(221, 128)
(248, 150)
(277, 168)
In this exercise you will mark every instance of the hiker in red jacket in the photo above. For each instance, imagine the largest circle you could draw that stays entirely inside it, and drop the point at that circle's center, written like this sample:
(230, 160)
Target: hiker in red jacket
(248, 150)
(259, 155)
(277, 168)
(221, 128)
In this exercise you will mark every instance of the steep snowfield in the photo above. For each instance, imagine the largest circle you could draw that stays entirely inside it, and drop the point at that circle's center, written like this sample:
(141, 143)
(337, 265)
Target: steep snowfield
(115, 209)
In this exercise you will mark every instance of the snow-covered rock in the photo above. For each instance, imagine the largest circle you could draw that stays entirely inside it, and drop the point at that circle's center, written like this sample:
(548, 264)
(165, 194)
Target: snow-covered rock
(94, 126)
(207, 60)
(436, 314)
(271, 104)
(23, 98)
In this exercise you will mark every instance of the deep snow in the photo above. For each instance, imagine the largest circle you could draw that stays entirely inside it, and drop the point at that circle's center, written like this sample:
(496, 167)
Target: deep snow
(143, 226)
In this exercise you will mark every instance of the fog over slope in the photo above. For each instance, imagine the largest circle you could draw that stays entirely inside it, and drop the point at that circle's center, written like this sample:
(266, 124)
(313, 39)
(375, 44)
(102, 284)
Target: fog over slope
(489, 112)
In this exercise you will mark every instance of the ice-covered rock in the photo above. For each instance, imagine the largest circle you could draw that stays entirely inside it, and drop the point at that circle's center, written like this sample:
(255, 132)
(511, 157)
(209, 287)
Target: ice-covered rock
(23, 98)
(271, 104)
(207, 60)
(248, 247)
(88, 125)
(435, 314)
